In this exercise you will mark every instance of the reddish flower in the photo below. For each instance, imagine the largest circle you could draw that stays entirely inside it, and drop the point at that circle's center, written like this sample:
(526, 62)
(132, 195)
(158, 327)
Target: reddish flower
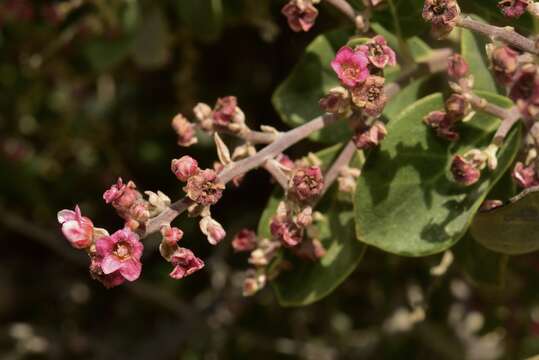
(224, 111)
(442, 14)
(301, 14)
(254, 281)
(378, 52)
(286, 231)
(185, 263)
(525, 92)
(336, 101)
(108, 280)
(307, 183)
(285, 161)
(513, 8)
(457, 106)
(120, 252)
(185, 131)
(122, 196)
(370, 95)
(504, 64)
(171, 235)
(212, 229)
(245, 240)
(184, 167)
(525, 177)
(203, 188)
(350, 66)
(369, 137)
(457, 67)
(77, 229)
(464, 171)
(443, 124)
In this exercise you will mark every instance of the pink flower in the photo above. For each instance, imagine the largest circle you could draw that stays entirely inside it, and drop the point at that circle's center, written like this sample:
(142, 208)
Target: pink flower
(171, 234)
(285, 161)
(185, 263)
(443, 124)
(108, 280)
(203, 188)
(307, 183)
(464, 171)
(212, 229)
(525, 92)
(286, 231)
(184, 167)
(185, 131)
(370, 95)
(122, 196)
(370, 137)
(225, 110)
(120, 253)
(457, 67)
(524, 176)
(337, 101)
(76, 228)
(378, 52)
(245, 240)
(301, 14)
(350, 66)
(513, 8)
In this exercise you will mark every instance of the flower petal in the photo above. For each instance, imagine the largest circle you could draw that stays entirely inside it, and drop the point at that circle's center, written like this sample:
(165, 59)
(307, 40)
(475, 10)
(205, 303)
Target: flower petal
(131, 269)
(110, 264)
(65, 215)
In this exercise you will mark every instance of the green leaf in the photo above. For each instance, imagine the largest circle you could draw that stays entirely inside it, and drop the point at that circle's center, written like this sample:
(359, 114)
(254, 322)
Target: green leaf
(408, 18)
(311, 281)
(151, 48)
(472, 47)
(512, 228)
(410, 94)
(203, 17)
(296, 99)
(406, 202)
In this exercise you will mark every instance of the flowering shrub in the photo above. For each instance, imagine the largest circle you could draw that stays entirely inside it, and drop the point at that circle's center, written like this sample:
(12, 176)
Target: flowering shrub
(410, 166)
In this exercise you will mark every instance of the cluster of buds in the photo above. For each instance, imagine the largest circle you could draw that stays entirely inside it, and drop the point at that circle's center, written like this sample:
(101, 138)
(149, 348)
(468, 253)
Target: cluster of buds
(517, 8)
(526, 172)
(457, 107)
(184, 262)
(113, 258)
(466, 168)
(347, 179)
(361, 96)
(300, 14)
(442, 14)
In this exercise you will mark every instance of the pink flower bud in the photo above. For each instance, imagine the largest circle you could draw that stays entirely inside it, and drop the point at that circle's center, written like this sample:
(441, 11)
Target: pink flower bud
(464, 171)
(185, 131)
(171, 235)
(77, 229)
(203, 188)
(122, 196)
(350, 66)
(120, 253)
(337, 101)
(370, 137)
(139, 211)
(212, 229)
(254, 282)
(525, 177)
(378, 52)
(185, 263)
(443, 124)
(370, 96)
(225, 110)
(184, 167)
(301, 14)
(525, 91)
(245, 240)
(286, 231)
(513, 8)
(306, 184)
(457, 106)
(457, 67)
(442, 14)
(504, 64)
(285, 161)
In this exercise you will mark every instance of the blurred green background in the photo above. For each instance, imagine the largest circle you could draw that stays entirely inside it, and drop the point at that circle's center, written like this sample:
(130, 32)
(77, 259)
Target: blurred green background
(87, 92)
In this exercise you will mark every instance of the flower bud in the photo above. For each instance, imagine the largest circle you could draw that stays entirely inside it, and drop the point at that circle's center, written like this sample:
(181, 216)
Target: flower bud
(185, 131)
(513, 8)
(310, 249)
(184, 167)
(443, 124)
(378, 52)
(337, 101)
(245, 240)
(203, 113)
(185, 263)
(122, 196)
(525, 177)
(504, 62)
(457, 67)
(212, 229)
(525, 91)
(171, 235)
(370, 137)
(442, 14)
(225, 110)
(77, 229)
(139, 211)
(300, 14)
(488, 205)
(305, 217)
(286, 231)
(464, 171)
(222, 150)
(457, 106)
(306, 184)
(158, 202)
(254, 282)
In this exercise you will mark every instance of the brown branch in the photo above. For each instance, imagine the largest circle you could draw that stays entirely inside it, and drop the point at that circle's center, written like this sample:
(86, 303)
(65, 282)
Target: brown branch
(505, 34)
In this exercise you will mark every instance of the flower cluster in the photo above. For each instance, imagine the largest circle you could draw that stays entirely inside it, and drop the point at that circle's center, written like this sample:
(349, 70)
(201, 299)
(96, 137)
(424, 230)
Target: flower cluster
(442, 14)
(513, 8)
(526, 172)
(300, 14)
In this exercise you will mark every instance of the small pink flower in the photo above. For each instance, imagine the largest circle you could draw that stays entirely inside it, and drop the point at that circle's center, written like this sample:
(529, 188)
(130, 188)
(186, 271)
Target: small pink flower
(185, 131)
(120, 253)
(301, 14)
(122, 196)
(513, 8)
(171, 234)
(464, 171)
(286, 231)
(378, 52)
(245, 240)
(337, 101)
(225, 110)
(108, 280)
(77, 229)
(370, 95)
(212, 229)
(370, 137)
(307, 183)
(457, 67)
(442, 124)
(185, 263)
(504, 64)
(525, 177)
(184, 167)
(203, 188)
(442, 14)
(285, 161)
(350, 66)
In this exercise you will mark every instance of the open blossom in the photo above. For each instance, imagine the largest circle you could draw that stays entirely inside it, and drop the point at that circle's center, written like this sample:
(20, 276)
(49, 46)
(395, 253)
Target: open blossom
(245, 240)
(184, 167)
(120, 253)
(212, 229)
(76, 228)
(457, 67)
(464, 172)
(122, 196)
(442, 14)
(283, 229)
(307, 183)
(171, 235)
(524, 176)
(185, 131)
(337, 101)
(370, 95)
(203, 188)
(504, 64)
(525, 92)
(443, 124)
(350, 66)
(108, 280)
(513, 8)
(370, 136)
(185, 263)
(378, 52)
(300, 14)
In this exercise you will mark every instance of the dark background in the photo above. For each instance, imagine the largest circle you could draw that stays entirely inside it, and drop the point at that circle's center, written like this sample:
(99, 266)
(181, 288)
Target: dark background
(88, 97)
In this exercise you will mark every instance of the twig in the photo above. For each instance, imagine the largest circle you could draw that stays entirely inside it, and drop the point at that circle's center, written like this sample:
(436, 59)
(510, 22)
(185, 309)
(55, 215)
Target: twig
(272, 166)
(252, 136)
(506, 34)
(344, 159)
